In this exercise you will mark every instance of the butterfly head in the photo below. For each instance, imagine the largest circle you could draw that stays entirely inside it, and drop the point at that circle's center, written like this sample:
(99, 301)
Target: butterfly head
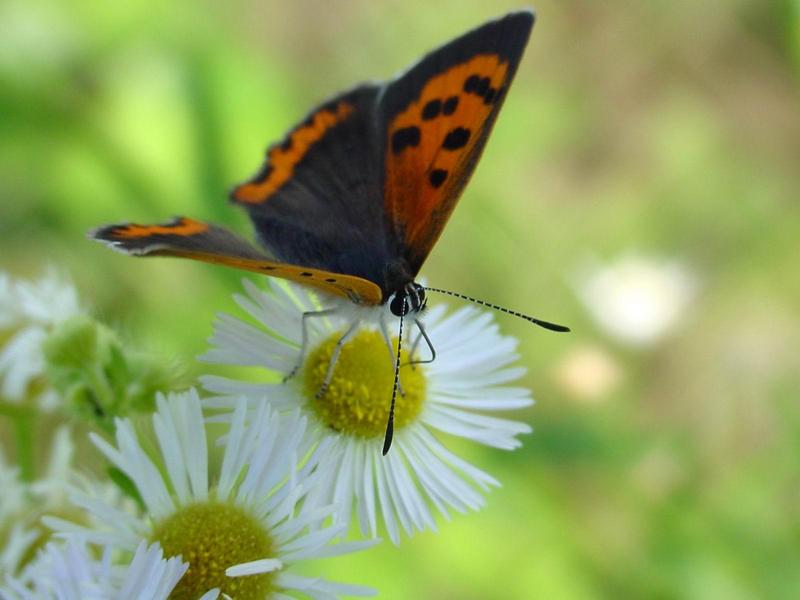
(408, 299)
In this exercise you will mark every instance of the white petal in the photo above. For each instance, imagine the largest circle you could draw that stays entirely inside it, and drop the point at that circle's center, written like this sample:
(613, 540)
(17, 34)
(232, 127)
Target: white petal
(150, 575)
(491, 431)
(265, 565)
(232, 461)
(384, 497)
(409, 493)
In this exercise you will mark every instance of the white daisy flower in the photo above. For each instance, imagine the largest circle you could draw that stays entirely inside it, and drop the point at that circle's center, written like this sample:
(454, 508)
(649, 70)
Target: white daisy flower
(636, 299)
(471, 373)
(234, 524)
(29, 311)
(71, 571)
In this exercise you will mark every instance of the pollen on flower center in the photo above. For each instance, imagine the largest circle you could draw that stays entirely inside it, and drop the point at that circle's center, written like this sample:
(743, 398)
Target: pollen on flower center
(360, 391)
(212, 536)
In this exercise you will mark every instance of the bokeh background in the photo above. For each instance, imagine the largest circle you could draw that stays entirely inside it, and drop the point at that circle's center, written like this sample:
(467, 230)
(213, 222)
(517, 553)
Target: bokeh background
(641, 186)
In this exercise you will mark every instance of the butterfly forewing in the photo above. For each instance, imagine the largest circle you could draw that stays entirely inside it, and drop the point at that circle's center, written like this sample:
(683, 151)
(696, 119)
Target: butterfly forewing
(437, 118)
(317, 200)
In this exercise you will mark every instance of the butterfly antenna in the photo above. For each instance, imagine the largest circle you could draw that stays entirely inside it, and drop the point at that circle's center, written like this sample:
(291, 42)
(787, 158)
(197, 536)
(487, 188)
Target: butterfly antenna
(387, 440)
(535, 321)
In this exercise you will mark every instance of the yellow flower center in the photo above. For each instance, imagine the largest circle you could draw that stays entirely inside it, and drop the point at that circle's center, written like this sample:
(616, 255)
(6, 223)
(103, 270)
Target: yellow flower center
(212, 536)
(360, 392)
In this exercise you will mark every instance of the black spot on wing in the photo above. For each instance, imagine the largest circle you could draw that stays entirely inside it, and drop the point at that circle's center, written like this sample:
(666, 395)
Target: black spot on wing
(483, 86)
(407, 137)
(431, 110)
(437, 177)
(471, 84)
(456, 138)
(450, 105)
(480, 86)
(491, 93)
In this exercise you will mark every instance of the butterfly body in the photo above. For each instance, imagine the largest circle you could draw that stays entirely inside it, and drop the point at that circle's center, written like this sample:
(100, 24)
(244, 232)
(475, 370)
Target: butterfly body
(354, 197)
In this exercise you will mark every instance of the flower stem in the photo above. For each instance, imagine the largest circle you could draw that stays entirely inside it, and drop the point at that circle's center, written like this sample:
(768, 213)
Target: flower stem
(23, 419)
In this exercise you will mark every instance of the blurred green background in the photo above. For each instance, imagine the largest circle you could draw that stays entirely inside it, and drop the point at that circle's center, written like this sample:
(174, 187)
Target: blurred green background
(665, 467)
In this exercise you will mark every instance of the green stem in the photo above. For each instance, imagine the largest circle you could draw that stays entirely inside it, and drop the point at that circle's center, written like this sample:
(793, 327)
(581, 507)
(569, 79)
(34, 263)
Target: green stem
(102, 388)
(24, 420)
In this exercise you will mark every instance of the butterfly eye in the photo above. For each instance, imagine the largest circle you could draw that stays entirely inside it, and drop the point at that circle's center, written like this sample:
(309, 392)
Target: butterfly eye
(399, 304)
(420, 292)
(418, 299)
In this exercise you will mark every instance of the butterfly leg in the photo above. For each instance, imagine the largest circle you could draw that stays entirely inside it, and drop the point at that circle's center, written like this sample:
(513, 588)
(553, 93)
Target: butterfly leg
(422, 335)
(337, 349)
(304, 338)
(387, 339)
(413, 351)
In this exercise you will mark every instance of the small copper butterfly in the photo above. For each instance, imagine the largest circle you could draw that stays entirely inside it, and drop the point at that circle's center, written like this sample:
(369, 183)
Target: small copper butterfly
(353, 199)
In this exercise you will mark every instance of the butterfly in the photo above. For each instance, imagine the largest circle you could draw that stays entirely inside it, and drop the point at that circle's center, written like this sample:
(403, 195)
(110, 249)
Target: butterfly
(355, 196)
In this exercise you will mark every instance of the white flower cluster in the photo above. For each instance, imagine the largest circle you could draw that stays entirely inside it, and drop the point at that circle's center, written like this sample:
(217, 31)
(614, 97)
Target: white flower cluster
(28, 312)
(22, 503)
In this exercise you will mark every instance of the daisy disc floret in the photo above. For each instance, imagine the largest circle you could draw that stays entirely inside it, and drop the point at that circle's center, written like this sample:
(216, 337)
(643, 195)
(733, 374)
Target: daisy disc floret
(451, 395)
(354, 401)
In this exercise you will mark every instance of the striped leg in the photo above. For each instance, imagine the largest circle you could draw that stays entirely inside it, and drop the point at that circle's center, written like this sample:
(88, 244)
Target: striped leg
(337, 349)
(304, 338)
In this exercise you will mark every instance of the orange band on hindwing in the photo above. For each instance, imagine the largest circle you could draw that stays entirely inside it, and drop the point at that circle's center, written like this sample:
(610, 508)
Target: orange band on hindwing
(182, 226)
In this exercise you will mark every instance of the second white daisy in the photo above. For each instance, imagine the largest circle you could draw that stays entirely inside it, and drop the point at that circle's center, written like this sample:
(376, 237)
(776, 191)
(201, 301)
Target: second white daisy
(236, 524)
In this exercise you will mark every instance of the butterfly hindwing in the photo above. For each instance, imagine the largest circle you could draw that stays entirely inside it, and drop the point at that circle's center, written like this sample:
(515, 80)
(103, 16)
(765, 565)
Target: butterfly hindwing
(437, 117)
(187, 238)
(179, 235)
(317, 200)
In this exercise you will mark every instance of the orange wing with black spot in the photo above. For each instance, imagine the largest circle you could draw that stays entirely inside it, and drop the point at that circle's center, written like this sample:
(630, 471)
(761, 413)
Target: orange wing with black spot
(438, 116)
(187, 238)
